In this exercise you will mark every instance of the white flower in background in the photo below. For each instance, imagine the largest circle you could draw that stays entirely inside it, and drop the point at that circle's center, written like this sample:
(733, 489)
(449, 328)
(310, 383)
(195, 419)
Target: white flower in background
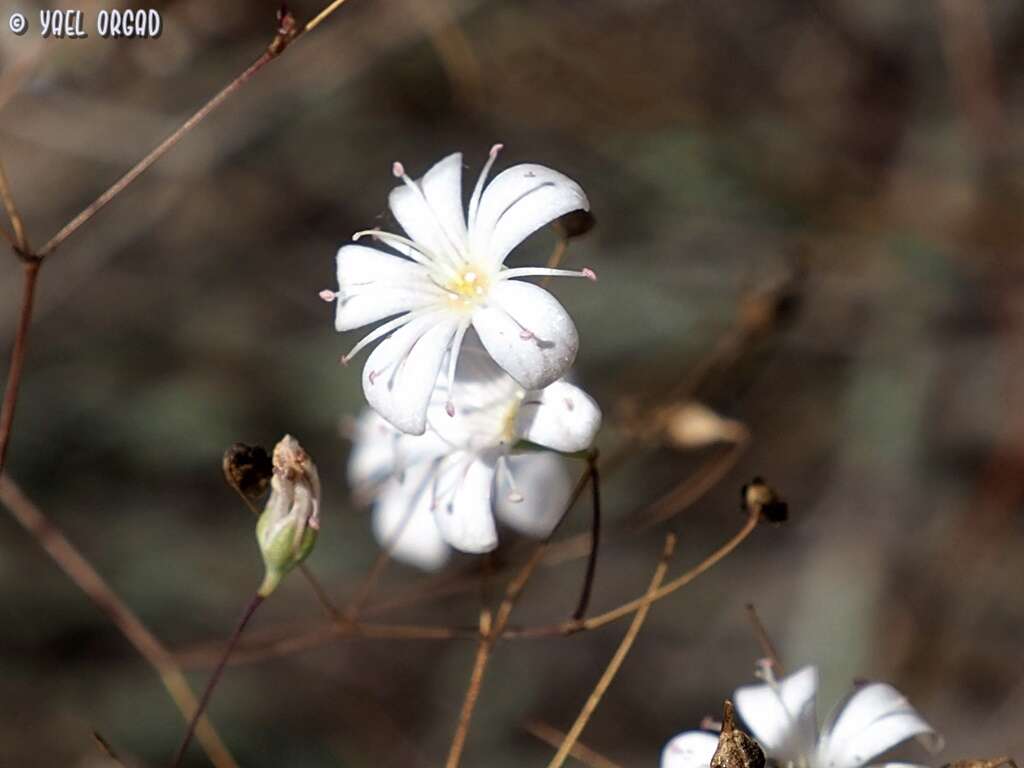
(444, 488)
(872, 719)
(451, 276)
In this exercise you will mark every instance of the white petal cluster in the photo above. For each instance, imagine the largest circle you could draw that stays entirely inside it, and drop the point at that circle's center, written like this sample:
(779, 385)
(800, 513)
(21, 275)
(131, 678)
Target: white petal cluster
(447, 276)
(781, 715)
(444, 488)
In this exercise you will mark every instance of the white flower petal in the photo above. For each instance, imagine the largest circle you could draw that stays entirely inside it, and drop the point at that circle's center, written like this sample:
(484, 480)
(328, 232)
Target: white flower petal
(535, 504)
(527, 332)
(693, 749)
(373, 285)
(400, 373)
(462, 507)
(403, 522)
(781, 716)
(560, 416)
(373, 451)
(875, 718)
(434, 219)
(519, 201)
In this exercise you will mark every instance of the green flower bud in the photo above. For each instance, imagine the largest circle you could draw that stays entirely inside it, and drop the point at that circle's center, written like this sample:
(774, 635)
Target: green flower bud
(288, 527)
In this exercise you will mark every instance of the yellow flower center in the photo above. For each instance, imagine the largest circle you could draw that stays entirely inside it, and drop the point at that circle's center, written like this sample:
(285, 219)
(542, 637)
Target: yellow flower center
(468, 288)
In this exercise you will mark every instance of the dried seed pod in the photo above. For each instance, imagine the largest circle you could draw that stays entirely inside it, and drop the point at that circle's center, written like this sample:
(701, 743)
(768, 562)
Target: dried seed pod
(735, 748)
(758, 496)
(247, 469)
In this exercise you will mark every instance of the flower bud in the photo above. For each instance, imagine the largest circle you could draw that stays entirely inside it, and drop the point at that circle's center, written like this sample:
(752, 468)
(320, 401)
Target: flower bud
(693, 425)
(288, 527)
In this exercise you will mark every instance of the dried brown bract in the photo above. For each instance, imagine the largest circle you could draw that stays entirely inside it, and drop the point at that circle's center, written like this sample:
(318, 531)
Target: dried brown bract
(758, 496)
(735, 748)
(247, 469)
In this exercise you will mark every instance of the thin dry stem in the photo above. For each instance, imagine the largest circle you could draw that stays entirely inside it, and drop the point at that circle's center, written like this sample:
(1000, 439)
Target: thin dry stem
(204, 700)
(765, 640)
(85, 577)
(489, 634)
(285, 36)
(318, 636)
(321, 17)
(620, 656)
(28, 294)
(967, 44)
(476, 679)
(595, 622)
(551, 735)
(555, 259)
(695, 486)
(20, 240)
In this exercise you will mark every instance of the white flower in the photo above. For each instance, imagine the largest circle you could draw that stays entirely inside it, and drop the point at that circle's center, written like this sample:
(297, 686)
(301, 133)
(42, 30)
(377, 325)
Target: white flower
(443, 488)
(872, 719)
(451, 276)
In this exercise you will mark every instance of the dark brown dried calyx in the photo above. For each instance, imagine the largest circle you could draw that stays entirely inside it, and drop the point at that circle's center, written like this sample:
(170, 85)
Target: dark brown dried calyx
(247, 469)
(758, 496)
(735, 748)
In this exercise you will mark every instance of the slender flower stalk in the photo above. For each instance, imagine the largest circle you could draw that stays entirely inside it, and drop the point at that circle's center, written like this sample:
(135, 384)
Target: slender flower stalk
(204, 700)
(286, 532)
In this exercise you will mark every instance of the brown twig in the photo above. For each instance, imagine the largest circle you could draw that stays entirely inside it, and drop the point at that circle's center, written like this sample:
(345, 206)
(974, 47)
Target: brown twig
(595, 622)
(616, 662)
(765, 640)
(28, 294)
(693, 487)
(595, 538)
(20, 238)
(551, 735)
(287, 33)
(318, 636)
(967, 44)
(489, 634)
(250, 609)
(85, 577)
(105, 748)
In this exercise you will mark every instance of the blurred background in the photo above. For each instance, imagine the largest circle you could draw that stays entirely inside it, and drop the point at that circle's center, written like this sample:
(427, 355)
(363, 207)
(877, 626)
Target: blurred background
(862, 153)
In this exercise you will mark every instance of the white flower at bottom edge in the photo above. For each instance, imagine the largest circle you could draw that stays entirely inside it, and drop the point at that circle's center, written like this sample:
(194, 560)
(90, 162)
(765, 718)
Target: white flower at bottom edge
(443, 489)
(871, 720)
(450, 277)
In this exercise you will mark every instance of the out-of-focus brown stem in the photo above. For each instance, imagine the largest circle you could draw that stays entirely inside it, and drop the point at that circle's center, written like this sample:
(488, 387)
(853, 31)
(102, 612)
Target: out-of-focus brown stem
(28, 294)
(20, 238)
(616, 662)
(286, 35)
(319, 636)
(968, 50)
(595, 622)
(595, 538)
(555, 737)
(250, 609)
(765, 640)
(85, 577)
(489, 634)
